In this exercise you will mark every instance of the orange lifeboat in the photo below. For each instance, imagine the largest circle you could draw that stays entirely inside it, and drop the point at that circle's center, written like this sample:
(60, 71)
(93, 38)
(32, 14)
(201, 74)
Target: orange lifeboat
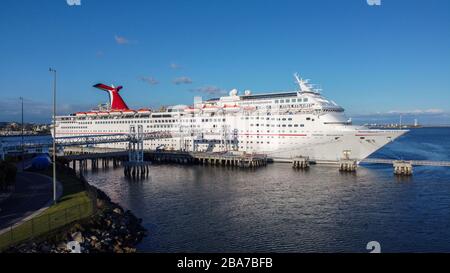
(80, 114)
(144, 111)
(128, 112)
(103, 113)
(91, 114)
(115, 113)
(191, 110)
(211, 108)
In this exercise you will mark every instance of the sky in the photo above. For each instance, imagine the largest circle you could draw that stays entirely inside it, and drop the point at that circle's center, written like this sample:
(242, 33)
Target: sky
(377, 61)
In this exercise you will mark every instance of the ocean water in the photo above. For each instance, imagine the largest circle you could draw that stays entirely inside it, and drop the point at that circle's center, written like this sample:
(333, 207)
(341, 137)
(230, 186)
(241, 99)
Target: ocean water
(279, 209)
(18, 139)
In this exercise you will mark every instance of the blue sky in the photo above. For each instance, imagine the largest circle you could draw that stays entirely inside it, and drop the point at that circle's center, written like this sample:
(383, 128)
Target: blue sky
(375, 61)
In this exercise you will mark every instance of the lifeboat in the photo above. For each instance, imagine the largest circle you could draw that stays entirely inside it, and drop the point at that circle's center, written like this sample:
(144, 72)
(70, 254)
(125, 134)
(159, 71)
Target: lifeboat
(80, 114)
(128, 112)
(91, 114)
(211, 108)
(115, 113)
(144, 111)
(191, 110)
(103, 114)
(231, 108)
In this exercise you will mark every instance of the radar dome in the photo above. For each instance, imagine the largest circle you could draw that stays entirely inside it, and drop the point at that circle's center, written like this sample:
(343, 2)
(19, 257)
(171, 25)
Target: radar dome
(247, 92)
(233, 92)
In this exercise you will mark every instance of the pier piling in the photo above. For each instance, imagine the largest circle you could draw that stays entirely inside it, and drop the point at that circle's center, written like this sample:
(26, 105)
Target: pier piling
(300, 162)
(402, 167)
(347, 165)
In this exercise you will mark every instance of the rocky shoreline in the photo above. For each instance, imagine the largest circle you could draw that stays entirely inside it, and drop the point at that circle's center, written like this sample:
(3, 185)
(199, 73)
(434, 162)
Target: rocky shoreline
(110, 230)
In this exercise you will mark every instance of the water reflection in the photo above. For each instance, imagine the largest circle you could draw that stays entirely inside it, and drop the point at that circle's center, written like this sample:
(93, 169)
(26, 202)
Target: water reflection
(277, 208)
(280, 209)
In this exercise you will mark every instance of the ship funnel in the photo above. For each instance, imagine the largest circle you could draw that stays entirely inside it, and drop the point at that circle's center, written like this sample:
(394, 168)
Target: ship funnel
(115, 100)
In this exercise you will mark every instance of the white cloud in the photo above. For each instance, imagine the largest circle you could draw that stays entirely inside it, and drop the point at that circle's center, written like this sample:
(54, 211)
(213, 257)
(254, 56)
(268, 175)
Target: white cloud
(174, 66)
(210, 90)
(182, 80)
(121, 40)
(150, 80)
(416, 111)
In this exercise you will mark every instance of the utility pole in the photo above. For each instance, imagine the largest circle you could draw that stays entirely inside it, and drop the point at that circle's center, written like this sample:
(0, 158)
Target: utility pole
(23, 152)
(54, 133)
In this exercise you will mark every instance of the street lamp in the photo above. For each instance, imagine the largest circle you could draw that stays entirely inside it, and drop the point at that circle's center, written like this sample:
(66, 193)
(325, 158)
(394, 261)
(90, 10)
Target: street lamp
(54, 133)
(22, 150)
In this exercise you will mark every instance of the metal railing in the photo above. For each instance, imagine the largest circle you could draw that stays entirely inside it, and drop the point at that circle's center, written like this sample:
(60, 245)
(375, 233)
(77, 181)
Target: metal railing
(12, 146)
(44, 224)
(48, 222)
(413, 162)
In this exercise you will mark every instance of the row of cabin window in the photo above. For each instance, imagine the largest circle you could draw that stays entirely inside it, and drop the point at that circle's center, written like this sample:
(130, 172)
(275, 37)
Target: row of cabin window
(303, 106)
(121, 121)
(74, 127)
(75, 122)
(262, 118)
(282, 119)
(135, 121)
(212, 120)
(292, 100)
(278, 125)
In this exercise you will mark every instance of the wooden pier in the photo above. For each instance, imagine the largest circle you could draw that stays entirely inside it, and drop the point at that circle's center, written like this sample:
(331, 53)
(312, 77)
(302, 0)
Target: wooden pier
(234, 160)
(97, 160)
(101, 159)
(177, 157)
(216, 159)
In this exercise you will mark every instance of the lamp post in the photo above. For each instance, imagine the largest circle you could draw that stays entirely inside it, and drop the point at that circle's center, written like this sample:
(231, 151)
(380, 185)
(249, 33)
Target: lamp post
(22, 146)
(54, 133)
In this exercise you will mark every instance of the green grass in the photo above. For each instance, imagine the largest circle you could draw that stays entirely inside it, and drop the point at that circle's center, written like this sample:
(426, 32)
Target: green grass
(74, 204)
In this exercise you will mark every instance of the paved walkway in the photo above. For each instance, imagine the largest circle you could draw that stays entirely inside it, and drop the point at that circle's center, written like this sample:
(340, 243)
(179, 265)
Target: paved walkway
(33, 192)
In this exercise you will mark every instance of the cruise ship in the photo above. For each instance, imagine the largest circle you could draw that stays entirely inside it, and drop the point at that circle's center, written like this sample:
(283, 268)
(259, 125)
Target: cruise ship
(282, 125)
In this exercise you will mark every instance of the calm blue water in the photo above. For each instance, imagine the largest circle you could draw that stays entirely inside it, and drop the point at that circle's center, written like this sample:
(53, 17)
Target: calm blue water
(278, 209)
(18, 139)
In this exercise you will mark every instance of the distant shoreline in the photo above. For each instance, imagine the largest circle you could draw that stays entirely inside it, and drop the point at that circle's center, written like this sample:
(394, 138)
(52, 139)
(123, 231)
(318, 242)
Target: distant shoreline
(409, 127)
(25, 135)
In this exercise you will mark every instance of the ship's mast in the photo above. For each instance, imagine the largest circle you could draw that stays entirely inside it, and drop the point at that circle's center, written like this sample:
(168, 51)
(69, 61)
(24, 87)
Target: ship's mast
(304, 85)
